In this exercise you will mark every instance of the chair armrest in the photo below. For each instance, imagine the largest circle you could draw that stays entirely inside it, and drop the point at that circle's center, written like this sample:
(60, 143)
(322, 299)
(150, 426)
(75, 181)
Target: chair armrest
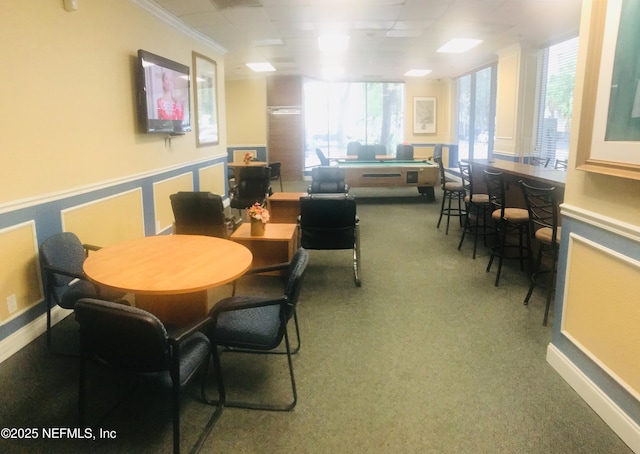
(91, 247)
(176, 336)
(55, 270)
(234, 303)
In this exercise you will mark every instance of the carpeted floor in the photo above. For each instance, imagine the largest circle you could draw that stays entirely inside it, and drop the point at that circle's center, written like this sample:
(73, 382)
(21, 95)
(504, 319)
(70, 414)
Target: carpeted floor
(426, 357)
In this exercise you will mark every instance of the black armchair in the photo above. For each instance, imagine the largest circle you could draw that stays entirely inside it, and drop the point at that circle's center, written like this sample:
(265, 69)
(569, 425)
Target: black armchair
(367, 153)
(201, 213)
(257, 324)
(324, 161)
(352, 148)
(276, 173)
(61, 258)
(253, 185)
(136, 342)
(330, 222)
(327, 179)
(404, 152)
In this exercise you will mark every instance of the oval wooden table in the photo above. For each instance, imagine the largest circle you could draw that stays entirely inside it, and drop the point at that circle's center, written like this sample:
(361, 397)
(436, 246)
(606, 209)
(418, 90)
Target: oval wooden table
(169, 274)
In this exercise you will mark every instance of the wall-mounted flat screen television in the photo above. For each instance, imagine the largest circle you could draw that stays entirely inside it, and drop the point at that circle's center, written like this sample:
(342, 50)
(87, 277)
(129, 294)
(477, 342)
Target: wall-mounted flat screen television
(163, 95)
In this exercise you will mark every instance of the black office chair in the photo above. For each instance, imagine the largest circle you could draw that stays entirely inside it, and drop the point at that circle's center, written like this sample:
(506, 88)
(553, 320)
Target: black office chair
(367, 153)
(258, 324)
(508, 221)
(404, 152)
(543, 215)
(61, 258)
(380, 149)
(352, 148)
(327, 179)
(451, 190)
(253, 185)
(539, 161)
(136, 342)
(201, 213)
(330, 222)
(324, 161)
(477, 209)
(276, 173)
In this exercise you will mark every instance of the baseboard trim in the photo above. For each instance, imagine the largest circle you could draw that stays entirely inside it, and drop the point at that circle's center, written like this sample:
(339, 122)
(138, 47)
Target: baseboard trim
(28, 333)
(618, 420)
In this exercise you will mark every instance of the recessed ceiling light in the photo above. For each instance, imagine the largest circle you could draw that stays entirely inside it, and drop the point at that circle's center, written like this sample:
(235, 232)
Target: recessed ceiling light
(268, 42)
(261, 67)
(459, 45)
(417, 72)
(333, 43)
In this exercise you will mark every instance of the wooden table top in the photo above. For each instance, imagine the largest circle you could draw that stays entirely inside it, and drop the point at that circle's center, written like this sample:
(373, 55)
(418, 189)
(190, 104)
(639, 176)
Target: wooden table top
(250, 164)
(273, 232)
(168, 264)
(544, 175)
(287, 196)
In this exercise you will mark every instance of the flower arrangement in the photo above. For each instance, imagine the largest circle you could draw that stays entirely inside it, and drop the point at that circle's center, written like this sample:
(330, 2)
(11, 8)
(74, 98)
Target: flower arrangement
(258, 212)
(248, 157)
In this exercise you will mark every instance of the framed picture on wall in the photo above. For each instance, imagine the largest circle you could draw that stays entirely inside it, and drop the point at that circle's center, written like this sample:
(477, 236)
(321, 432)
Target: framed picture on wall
(609, 139)
(206, 100)
(424, 115)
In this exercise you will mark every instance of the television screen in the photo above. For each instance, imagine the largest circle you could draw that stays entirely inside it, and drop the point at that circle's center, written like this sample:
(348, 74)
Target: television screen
(163, 94)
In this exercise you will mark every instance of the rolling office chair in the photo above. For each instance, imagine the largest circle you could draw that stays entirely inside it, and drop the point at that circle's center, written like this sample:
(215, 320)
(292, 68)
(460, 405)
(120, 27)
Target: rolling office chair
(253, 185)
(324, 161)
(507, 220)
(201, 213)
(380, 149)
(543, 215)
(136, 342)
(258, 324)
(61, 258)
(330, 222)
(352, 148)
(327, 179)
(451, 190)
(367, 153)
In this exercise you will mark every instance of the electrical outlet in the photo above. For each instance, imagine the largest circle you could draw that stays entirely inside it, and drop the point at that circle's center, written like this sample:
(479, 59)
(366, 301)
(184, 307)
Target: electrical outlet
(12, 303)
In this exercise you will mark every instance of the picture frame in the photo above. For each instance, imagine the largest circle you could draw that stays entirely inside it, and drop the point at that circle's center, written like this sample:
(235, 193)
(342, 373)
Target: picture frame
(609, 125)
(205, 75)
(424, 115)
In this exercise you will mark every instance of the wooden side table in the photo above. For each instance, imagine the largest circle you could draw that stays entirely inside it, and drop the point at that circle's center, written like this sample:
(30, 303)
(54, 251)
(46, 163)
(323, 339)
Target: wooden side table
(279, 243)
(284, 207)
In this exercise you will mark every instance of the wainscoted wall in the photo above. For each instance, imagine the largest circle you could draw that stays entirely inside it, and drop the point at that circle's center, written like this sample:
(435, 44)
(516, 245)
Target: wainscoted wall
(596, 341)
(102, 214)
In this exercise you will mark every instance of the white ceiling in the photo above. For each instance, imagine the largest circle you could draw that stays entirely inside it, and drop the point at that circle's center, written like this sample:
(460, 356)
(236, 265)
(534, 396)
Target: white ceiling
(387, 37)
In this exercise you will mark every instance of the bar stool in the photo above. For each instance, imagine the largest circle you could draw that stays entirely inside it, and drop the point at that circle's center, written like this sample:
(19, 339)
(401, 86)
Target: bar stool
(477, 208)
(450, 191)
(507, 221)
(543, 214)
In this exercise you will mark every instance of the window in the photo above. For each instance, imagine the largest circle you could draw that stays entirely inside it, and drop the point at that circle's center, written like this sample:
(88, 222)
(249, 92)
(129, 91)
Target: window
(476, 103)
(556, 77)
(338, 113)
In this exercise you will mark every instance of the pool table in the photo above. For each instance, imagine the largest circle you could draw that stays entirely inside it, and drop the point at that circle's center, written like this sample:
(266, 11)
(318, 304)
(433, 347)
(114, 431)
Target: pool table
(424, 175)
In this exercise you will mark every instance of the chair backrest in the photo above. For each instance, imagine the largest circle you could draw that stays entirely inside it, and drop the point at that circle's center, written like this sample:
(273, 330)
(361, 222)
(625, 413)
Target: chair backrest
(328, 221)
(467, 179)
(252, 185)
(539, 161)
(561, 164)
(327, 179)
(404, 152)
(443, 179)
(496, 190)
(380, 149)
(542, 204)
(323, 159)
(199, 213)
(295, 276)
(352, 148)
(275, 169)
(367, 153)
(63, 250)
(123, 336)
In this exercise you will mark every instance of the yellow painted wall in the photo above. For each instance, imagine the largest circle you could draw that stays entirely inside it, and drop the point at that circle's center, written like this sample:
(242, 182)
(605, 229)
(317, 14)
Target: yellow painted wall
(441, 90)
(162, 190)
(69, 91)
(246, 112)
(212, 179)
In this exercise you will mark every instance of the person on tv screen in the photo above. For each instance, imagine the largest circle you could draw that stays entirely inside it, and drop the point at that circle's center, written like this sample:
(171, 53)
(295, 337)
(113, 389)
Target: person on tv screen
(169, 108)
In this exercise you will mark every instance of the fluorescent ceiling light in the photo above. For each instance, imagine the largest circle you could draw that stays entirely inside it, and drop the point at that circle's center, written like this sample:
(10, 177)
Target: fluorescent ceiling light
(268, 42)
(333, 43)
(417, 72)
(459, 45)
(261, 67)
